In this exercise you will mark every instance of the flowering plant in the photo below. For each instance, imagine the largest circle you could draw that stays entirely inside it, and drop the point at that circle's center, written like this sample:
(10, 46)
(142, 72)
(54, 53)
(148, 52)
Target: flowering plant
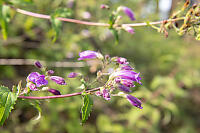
(119, 75)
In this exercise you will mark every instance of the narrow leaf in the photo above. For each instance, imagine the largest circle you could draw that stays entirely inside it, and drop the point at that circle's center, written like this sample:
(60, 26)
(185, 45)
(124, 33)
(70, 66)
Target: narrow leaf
(7, 102)
(115, 34)
(4, 19)
(86, 108)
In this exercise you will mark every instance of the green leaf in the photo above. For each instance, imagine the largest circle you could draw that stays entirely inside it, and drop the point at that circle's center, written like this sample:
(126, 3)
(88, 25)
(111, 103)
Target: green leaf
(115, 33)
(4, 19)
(36, 105)
(86, 108)
(7, 102)
(57, 24)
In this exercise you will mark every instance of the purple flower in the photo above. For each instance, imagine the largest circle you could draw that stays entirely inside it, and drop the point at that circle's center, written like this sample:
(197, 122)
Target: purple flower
(127, 74)
(134, 101)
(126, 68)
(128, 29)
(106, 94)
(58, 80)
(72, 75)
(124, 88)
(38, 79)
(50, 72)
(89, 55)
(122, 60)
(55, 92)
(31, 86)
(128, 12)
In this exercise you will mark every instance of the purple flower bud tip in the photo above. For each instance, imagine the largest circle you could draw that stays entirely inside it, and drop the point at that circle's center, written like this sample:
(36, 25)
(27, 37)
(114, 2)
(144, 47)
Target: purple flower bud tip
(122, 60)
(72, 75)
(104, 6)
(129, 13)
(50, 72)
(89, 55)
(58, 80)
(134, 101)
(38, 79)
(55, 92)
(38, 64)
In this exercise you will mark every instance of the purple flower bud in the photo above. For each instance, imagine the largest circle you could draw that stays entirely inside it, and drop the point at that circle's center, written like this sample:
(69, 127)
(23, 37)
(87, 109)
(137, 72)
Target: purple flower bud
(106, 94)
(122, 60)
(128, 29)
(124, 88)
(50, 72)
(31, 86)
(72, 75)
(128, 12)
(55, 92)
(126, 68)
(38, 64)
(38, 79)
(104, 6)
(89, 55)
(58, 80)
(134, 101)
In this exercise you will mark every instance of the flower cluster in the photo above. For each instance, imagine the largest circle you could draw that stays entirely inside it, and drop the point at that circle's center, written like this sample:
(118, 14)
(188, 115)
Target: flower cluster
(122, 78)
(119, 74)
(37, 82)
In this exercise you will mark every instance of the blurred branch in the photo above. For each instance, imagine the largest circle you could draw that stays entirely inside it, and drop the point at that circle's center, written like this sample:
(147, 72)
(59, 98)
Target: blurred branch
(31, 62)
(37, 15)
(57, 96)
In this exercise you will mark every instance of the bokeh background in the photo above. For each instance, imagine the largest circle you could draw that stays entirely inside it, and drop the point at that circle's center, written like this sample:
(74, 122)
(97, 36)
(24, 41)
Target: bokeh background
(170, 69)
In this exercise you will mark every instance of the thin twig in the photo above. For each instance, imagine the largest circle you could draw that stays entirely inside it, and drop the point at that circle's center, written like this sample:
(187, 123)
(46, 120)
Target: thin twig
(57, 96)
(37, 15)
(31, 62)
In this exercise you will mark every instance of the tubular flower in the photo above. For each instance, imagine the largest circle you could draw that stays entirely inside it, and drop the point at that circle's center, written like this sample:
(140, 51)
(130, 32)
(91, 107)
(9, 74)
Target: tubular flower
(89, 55)
(134, 101)
(127, 74)
(58, 80)
(128, 12)
(38, 79)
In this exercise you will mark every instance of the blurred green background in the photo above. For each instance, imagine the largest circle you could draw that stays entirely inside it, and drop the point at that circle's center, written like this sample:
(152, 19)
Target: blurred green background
(170, 70)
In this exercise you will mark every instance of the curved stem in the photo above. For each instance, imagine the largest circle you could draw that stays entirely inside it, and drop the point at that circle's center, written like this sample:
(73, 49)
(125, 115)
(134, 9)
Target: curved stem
(37, 15)
(57, 96)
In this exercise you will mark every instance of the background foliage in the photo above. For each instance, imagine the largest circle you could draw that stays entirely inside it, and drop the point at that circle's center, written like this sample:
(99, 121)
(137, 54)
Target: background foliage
(169, 67)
